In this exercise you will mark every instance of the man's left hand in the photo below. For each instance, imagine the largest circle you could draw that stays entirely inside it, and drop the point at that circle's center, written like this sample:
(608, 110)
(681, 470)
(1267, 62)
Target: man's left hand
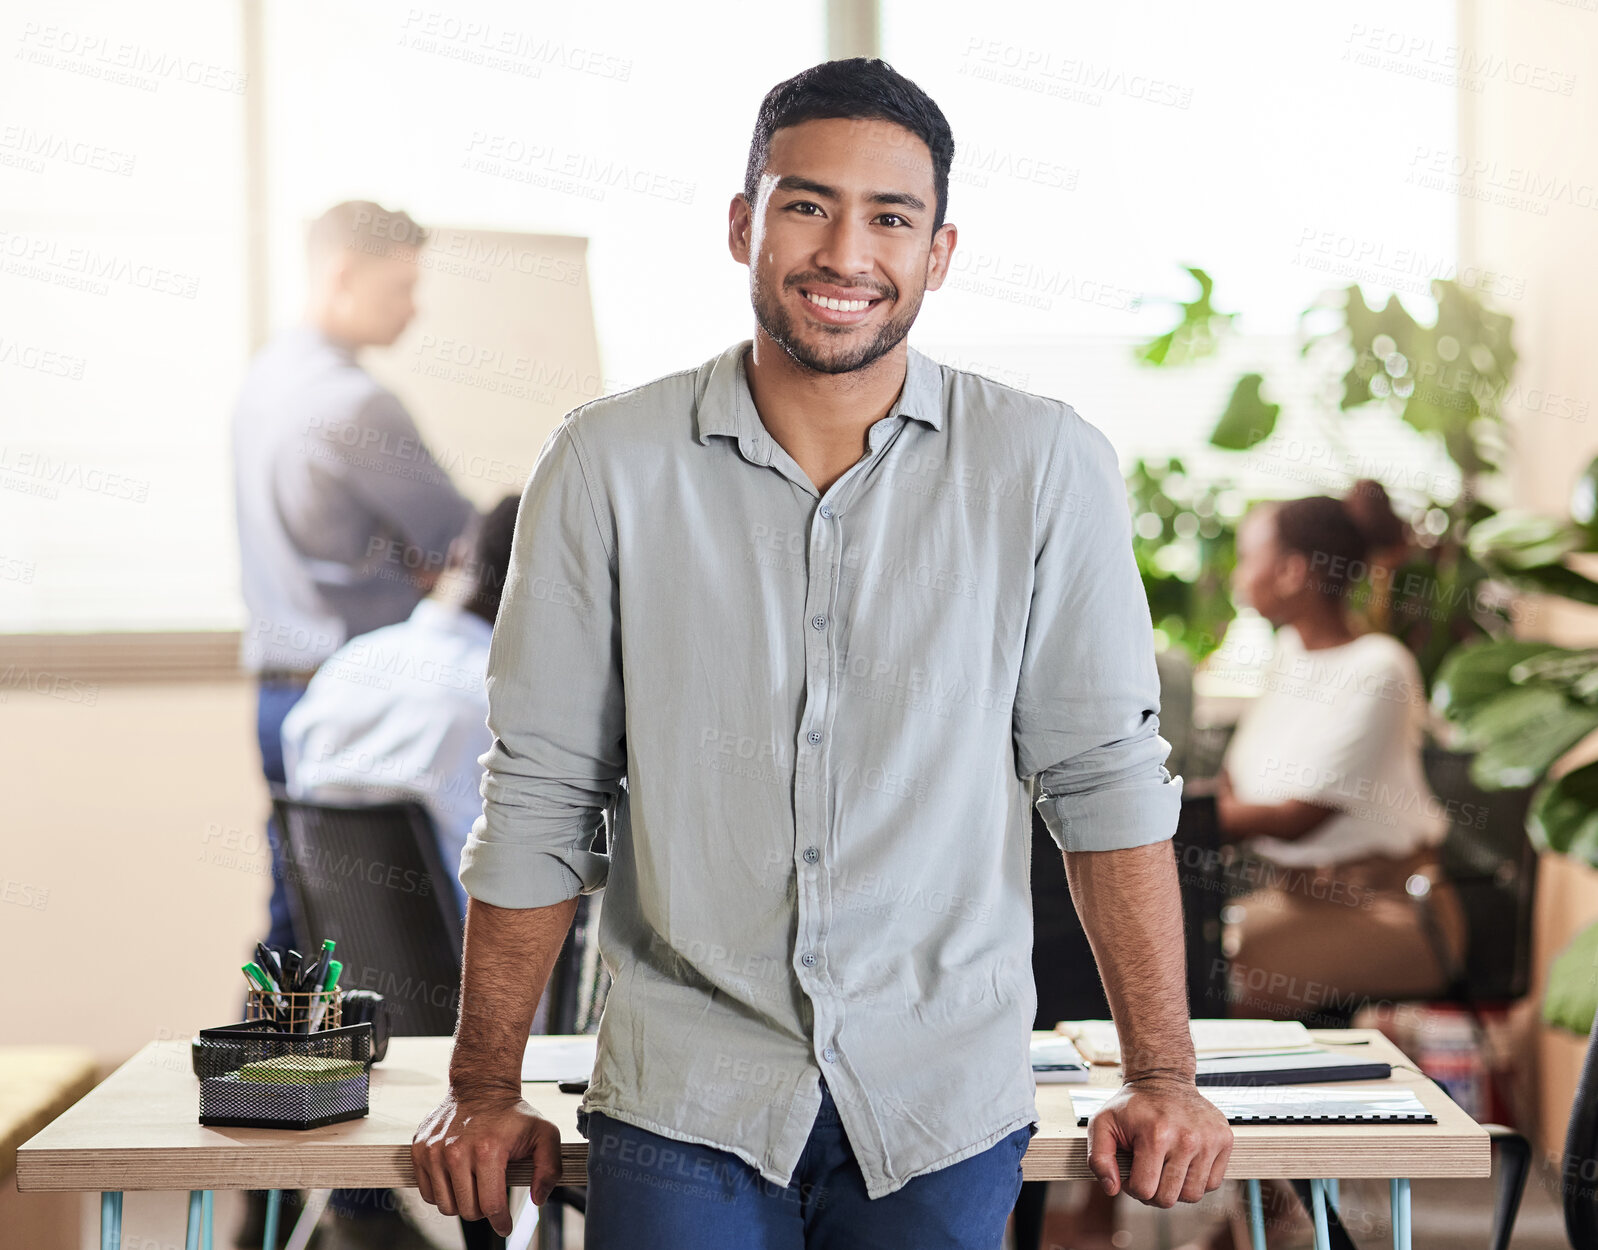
(1179, 1141)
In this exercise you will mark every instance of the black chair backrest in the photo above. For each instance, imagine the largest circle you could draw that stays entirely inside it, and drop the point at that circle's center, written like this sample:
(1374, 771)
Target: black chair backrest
(1493, 867)
(371, 878)
(1579, 1170)
(1203, 880)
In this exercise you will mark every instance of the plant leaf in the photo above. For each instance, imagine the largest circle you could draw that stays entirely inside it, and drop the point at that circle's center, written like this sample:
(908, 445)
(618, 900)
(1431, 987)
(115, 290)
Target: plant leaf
(1518, 735)
(1571, 999)
(1554, 579)
(1248, 419)
(1564, 815)
(1515, 540)
(1195, 336)
(1472, 676)
(1584, 499)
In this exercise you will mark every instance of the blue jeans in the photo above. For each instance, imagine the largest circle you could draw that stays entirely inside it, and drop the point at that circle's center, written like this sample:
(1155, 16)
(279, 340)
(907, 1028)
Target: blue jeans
(272, 706)
(648, 1192)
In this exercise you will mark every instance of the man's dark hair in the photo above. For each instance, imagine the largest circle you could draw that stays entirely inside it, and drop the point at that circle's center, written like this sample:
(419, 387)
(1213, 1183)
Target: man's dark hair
(491, 558)
(858, 88)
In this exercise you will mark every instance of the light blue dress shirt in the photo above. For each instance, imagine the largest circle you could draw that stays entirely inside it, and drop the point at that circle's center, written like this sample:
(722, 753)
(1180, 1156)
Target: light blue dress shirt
(811, 725)
(400, 713)
(332, 484)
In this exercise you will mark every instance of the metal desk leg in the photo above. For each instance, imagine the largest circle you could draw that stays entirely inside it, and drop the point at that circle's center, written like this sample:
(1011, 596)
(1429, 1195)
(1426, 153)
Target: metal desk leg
(1334, 1195)
(191, 1237)
(1317, 1194)
(315, 1203)
(1398, 1189)
(274, 1209)
(206, 1203)
(111, 1220)
(1256, 1217)
(1337, 1237)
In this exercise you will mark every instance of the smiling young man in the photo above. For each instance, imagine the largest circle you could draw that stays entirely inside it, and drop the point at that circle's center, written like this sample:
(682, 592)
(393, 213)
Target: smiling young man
(808, 628)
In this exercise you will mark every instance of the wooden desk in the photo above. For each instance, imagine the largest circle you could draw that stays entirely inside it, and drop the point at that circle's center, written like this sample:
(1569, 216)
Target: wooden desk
(139, 1130)
(38, 1083)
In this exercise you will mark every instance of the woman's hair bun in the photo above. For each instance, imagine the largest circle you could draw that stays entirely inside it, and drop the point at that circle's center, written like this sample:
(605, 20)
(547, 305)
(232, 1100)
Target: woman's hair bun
(1369, 507)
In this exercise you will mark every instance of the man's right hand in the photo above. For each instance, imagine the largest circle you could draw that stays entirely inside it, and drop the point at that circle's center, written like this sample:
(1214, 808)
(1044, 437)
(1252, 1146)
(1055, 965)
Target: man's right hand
(463, 1147)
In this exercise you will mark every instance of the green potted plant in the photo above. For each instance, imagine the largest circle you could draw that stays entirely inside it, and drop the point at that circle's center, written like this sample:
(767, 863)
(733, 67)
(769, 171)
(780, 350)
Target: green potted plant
(1445, 379)
(1523, 705)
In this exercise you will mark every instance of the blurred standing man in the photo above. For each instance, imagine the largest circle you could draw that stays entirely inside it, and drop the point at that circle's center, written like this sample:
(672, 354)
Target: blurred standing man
(803, 625)
(345, 518)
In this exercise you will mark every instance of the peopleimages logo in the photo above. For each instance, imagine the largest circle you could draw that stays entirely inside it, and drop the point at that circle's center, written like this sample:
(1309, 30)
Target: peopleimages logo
(1386, 802)
(912, 680)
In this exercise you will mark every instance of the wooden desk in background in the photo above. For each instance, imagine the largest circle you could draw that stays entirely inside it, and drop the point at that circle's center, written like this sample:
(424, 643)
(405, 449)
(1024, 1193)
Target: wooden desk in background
(139, 1130)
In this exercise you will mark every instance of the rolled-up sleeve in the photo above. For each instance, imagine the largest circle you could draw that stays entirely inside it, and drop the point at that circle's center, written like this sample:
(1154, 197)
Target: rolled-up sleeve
(1088, 698)
(555, 701)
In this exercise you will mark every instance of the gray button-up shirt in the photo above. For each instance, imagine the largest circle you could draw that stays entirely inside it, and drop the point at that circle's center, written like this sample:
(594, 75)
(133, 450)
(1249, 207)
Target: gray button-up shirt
(338, 499)
(812, 721)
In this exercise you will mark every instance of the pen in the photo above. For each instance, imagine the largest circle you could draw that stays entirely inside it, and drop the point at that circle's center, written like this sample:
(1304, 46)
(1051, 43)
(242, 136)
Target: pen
(254, 973)
(311, 975)
(325, 996)
(267, 957)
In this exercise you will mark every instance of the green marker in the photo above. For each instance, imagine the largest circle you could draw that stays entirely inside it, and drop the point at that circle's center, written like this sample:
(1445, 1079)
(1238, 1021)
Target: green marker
(325, 998)
(253, 971)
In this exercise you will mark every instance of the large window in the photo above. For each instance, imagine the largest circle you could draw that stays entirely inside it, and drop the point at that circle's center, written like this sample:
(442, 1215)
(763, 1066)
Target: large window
(1100, 148)
(123, 233)
(121, 314)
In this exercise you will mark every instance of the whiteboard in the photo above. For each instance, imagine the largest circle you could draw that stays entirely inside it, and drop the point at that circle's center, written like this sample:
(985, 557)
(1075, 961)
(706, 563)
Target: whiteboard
(503, 345)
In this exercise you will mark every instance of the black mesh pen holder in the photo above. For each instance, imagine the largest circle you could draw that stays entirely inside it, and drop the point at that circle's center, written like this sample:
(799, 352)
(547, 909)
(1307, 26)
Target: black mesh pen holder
(254, 1076)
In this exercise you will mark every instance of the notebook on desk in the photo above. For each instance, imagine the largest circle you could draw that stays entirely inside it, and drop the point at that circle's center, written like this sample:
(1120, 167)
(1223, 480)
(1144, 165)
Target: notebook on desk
(1055, 1061)
(1097, 1039)
(1295, 1067)
(1292, 1104)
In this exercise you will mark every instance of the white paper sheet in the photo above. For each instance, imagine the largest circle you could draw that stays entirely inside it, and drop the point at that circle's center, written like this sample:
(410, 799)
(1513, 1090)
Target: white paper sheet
(559, 1058)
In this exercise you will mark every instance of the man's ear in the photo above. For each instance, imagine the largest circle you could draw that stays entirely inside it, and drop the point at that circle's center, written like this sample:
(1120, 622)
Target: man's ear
(740, 225)
(341, 270)
(941, 255)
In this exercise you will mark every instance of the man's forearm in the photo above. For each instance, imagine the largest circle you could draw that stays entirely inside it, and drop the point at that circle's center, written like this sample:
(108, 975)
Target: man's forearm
(508, 956)
(1130, 905)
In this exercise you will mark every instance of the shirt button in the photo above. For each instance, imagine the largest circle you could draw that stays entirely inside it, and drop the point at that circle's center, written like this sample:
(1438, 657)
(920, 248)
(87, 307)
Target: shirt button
(814, 735)
(826, 511)
(819, 621)
(808, 960)
(811, 855)
(830, 1055)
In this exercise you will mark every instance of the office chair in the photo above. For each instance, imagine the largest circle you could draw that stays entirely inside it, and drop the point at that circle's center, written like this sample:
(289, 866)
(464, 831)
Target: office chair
(371, 878)
(1492, 865)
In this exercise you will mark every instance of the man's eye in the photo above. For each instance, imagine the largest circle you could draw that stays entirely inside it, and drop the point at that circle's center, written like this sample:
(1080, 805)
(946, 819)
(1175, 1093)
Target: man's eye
(804, 204)
(893, 218)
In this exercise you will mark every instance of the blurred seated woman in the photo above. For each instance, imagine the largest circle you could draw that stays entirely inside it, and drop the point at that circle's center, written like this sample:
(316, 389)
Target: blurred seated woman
(1322, 782)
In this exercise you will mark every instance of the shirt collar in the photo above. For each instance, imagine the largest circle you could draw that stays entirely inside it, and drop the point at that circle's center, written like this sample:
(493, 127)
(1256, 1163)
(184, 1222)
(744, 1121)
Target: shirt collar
(726, 407)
